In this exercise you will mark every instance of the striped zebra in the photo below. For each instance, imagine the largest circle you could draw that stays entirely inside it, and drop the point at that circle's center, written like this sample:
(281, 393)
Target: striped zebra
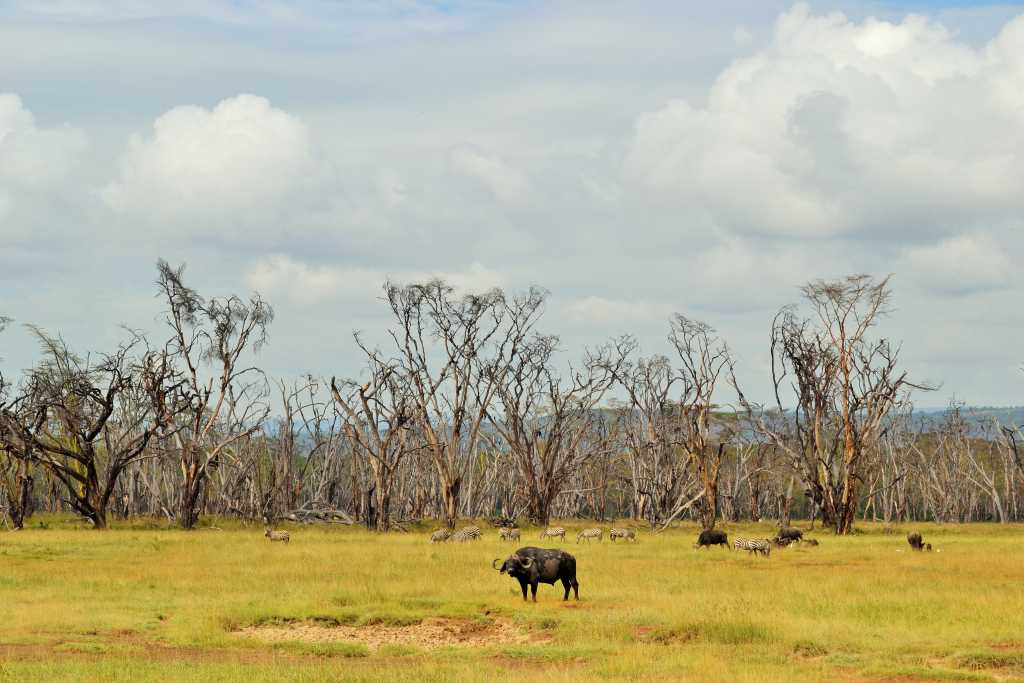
(754, 545)
(589, 534)
(469, 533)
(625, 534)
(553, 532)
(508, 534)
(440, 536)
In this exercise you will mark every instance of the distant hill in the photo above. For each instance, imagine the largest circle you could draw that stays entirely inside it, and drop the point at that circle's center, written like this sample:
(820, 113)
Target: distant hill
(1007, 415)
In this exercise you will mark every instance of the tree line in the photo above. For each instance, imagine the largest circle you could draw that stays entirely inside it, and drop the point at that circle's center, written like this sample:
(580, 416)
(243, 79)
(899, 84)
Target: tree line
(469, 410)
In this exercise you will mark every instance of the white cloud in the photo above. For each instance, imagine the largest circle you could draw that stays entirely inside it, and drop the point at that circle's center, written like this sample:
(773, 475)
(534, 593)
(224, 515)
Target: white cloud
(961, 264)
(230, 168)
(618, 314)
(839, 127)
(505, 183)
(305, 285)
(35, 166)
(32, 158)
(631, 162)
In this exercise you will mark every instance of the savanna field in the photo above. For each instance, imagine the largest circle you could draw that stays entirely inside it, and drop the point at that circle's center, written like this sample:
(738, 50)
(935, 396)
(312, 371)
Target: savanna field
(139, 604)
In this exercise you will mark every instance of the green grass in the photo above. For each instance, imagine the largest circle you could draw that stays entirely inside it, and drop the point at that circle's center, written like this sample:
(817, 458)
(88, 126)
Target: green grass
(141, 602)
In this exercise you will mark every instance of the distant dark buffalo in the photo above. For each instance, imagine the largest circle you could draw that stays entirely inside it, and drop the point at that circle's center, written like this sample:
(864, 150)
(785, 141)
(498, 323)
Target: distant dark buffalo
(916, 542)
(710, 537)
(790, 534)
(531, 566)
(810, 541)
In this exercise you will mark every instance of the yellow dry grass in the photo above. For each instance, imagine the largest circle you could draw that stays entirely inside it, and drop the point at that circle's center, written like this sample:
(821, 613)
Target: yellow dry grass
(141, 602)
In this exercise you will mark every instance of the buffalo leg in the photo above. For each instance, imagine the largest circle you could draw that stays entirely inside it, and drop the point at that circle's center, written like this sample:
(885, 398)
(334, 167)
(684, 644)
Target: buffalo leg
(575, 588)
(522, 584)
(566, 585)
(533, 590)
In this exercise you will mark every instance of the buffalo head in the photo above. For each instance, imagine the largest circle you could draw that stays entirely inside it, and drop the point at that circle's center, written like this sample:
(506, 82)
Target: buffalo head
(514, 564)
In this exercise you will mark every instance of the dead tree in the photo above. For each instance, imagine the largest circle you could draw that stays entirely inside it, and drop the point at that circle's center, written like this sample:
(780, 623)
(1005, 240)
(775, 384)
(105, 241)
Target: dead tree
(84, 422)
(749, 459)
(441, 339)
(652, 432)
(845, 386)
(208, 343)
(377, 416)
(543, 420)
(16, 479)
(704, 357)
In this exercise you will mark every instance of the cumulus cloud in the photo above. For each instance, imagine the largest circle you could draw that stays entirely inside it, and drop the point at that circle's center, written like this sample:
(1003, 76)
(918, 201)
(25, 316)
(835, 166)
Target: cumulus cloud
(229, 168)
(35, 166)
(839, 127)
(33, 157)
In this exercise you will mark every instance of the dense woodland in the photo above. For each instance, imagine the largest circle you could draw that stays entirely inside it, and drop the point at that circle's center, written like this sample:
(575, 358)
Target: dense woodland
(470, 410)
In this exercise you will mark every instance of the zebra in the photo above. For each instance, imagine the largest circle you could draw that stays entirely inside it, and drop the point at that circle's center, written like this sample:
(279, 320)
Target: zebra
(625, 534)
(283, 536)
(589, 534)
(440, 536)
(753, 545)
(469, 533)
(508, 534)
(553, 532)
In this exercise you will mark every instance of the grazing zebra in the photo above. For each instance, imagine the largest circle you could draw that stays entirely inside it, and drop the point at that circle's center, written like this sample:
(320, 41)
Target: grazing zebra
(440, 536)
(626, 534)
(589, 534)
(753, 545)
(283, 536)
(469, 533)
(509, 534)
(553, 532)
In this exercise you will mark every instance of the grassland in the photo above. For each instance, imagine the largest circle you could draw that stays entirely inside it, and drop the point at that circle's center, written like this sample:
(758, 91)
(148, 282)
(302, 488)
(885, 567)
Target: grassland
(140, 603)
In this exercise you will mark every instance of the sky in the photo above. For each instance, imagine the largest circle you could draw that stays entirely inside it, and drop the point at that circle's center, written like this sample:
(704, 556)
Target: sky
(635, 159)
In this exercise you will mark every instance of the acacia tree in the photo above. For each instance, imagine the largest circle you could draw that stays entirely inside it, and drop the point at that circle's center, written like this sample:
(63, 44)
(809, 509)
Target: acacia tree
(377, 417)
(845, 385)
(440, 339)
(85, 422)
(651, 435)
(208, 343)
(15, 464)
(704, 357)
(544, 421)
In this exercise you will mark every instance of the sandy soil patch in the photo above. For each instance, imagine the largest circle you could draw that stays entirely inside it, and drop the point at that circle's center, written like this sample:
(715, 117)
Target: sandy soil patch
(428, 634)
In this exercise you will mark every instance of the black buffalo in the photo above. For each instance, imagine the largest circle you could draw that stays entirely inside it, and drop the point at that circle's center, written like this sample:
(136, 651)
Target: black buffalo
(531, 566)
(710, 537)
(790, 534)
(916, 542)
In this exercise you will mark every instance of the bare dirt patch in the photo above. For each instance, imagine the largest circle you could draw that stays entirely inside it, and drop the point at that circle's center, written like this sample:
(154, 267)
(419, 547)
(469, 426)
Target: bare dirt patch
(428, 634)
